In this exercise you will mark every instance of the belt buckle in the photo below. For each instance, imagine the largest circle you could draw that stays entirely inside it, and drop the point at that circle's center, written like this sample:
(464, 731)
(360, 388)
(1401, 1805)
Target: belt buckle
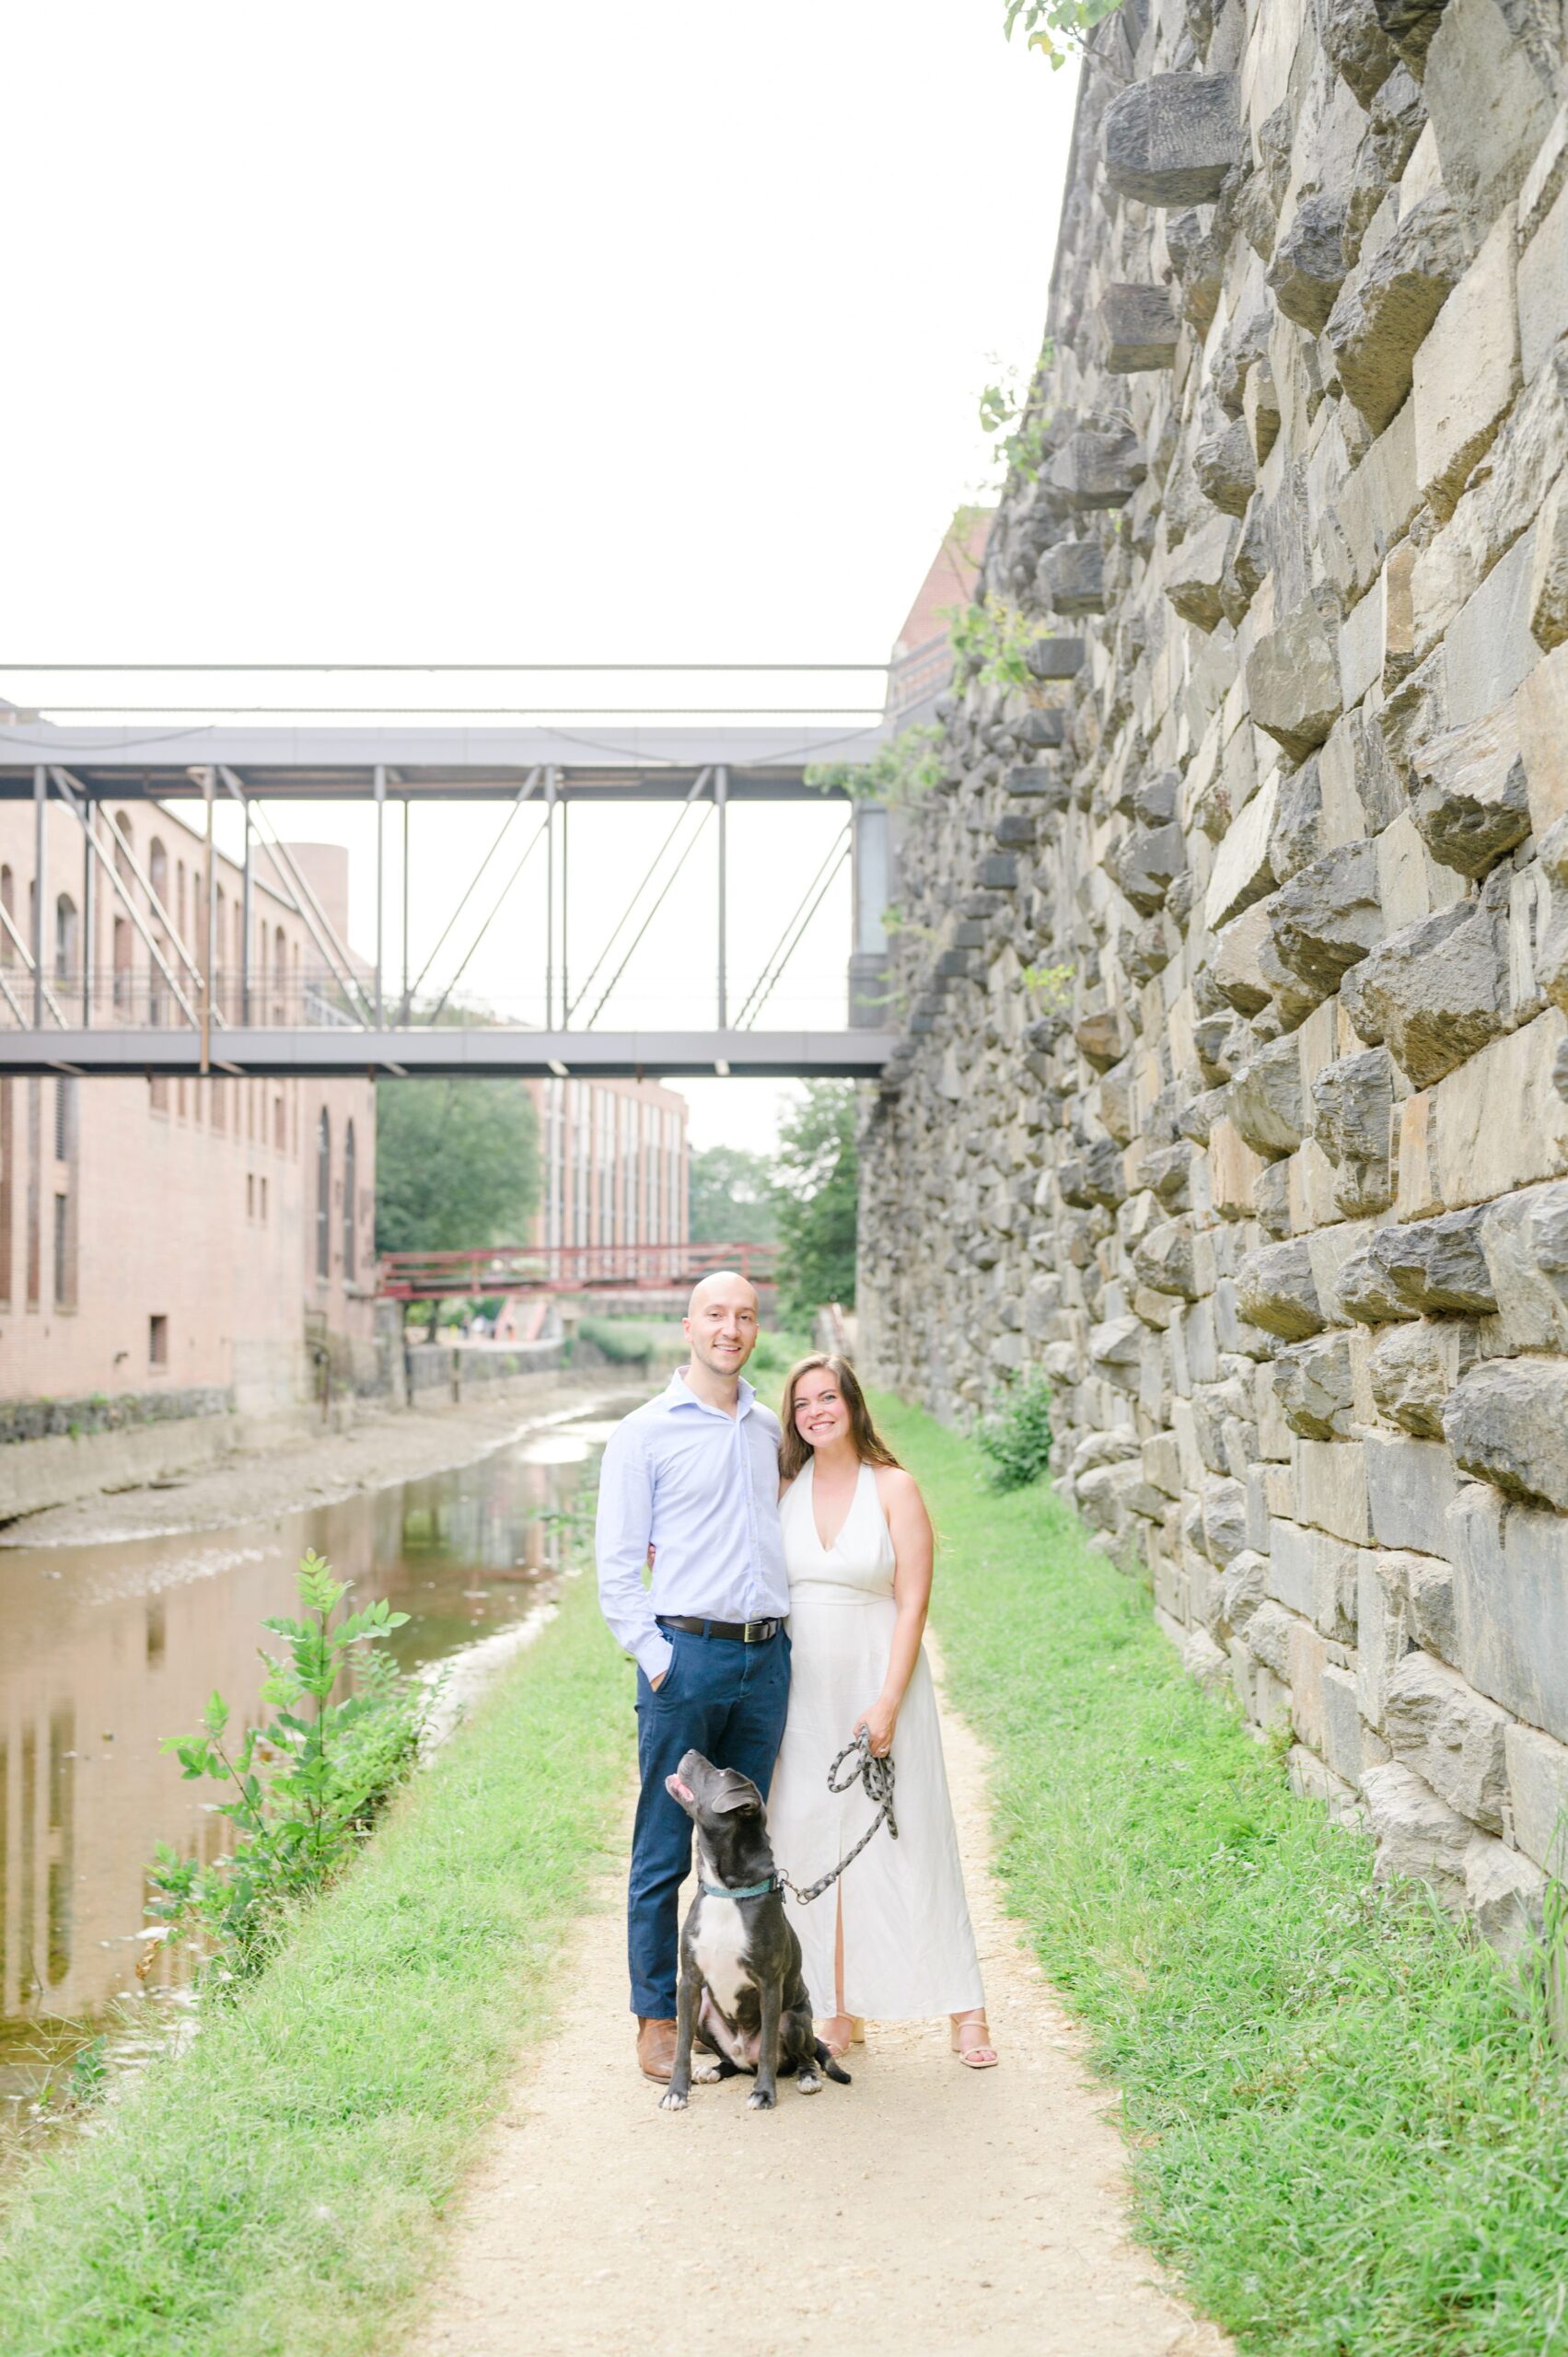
(751, 1632)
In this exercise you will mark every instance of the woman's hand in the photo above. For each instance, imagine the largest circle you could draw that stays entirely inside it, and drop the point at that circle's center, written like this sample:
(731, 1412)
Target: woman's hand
(879, 1722)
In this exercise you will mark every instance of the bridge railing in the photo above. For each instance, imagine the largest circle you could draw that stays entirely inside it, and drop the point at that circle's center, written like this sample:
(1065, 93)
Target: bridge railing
(566, 1268)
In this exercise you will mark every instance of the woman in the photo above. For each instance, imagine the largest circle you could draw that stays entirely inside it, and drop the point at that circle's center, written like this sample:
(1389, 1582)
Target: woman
(858, 1549)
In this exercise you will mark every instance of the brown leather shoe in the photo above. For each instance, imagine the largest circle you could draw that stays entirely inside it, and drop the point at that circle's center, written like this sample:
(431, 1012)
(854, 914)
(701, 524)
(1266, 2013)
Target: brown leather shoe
(655, 2047)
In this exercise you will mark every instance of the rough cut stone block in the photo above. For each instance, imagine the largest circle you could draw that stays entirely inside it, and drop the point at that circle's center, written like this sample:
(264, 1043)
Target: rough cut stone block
(1293, 676)
(1538, 1795)
(1431, 1266)
(1541, 712)
(1507, 1422)
(1414, 1367)
(1420, 1591)
(1072, 577)
(1548, 568)
(1467, 371)
(1148, 863)
(1435, 991)
(1511, 1604)
(1098, 466)
(1275, 1289)
(1055, 657)
(1491, 100)
(1267, 1101)
(1417, 1833)
(1472, 799)
(1353, 1106)
(1327, 918)
(1331, 1488)
(1139, 328)
(1241, 871)
(1225, 469)
(1411, 1485)
(1438, 1724)
(1503, 1892)
(1313, 1384)
(1197, 570)
(1356, 45)
(1543, 287)
(1309, 263)
(1172, 139)
(1525, 1239)
(1387, 304)
(1489, 649)
(1164, 1259)
(1234, 966)
(1314, 1574)
(1475, 1153)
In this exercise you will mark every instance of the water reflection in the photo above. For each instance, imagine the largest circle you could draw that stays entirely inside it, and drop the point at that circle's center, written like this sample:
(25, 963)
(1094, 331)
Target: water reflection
(105, 1650)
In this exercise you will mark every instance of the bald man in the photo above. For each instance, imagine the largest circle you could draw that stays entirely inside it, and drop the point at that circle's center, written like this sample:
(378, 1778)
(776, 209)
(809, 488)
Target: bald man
(694, 1474)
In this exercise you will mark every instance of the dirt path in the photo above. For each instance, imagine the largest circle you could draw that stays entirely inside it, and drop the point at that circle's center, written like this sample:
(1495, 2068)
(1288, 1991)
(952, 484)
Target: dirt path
(924, 2211)
(372, 1453)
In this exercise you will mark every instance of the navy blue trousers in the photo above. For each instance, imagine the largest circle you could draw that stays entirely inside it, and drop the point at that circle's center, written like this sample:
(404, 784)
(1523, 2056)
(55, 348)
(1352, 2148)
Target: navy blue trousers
(727, 1701)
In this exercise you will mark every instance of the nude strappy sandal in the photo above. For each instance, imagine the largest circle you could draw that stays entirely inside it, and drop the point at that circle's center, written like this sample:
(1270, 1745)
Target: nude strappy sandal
(856, 2035)
(982, 2055)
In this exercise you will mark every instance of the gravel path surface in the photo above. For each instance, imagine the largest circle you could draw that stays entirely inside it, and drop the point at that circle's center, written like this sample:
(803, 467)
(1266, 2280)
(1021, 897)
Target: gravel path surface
(371, 1455)
(926, 2210)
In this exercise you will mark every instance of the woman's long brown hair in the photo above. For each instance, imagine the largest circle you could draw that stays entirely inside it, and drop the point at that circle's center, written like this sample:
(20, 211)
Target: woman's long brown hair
(795, 1454)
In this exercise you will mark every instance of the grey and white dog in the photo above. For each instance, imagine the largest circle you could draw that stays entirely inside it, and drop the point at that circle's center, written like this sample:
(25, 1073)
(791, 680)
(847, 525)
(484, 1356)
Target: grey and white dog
(742, 1994)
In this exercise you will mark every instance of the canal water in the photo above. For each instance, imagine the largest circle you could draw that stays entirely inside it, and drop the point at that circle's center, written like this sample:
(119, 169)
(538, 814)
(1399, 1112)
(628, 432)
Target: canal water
(106, 1650)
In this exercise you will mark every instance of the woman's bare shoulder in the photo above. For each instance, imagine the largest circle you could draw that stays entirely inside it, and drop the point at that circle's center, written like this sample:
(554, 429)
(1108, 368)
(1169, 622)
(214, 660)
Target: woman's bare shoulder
(895, 1487)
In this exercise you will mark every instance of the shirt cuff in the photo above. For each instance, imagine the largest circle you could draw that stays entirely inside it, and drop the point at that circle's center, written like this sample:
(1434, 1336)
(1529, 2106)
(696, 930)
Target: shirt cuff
(653, 1654)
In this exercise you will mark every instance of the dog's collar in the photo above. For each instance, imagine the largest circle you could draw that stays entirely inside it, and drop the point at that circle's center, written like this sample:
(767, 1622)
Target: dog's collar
(750, 1890)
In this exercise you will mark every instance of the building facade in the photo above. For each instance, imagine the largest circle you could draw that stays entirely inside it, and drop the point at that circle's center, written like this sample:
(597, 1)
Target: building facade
(161, 1233)
(615, 1163)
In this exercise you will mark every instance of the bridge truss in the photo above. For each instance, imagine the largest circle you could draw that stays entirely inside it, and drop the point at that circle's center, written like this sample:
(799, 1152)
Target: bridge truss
(376, 1014)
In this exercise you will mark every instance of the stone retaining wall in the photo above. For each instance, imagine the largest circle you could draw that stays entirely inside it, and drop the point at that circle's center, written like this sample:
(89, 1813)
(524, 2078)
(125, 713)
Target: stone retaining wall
(1235, 947)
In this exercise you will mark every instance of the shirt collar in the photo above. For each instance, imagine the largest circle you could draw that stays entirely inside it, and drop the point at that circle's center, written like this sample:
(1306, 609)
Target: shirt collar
(680, 1395)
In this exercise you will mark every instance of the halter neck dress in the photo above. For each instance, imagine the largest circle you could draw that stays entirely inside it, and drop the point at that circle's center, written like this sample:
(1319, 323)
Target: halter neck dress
(909, 1948)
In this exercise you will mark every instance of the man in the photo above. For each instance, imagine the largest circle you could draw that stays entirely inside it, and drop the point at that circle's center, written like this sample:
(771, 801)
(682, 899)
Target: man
(694, 1475)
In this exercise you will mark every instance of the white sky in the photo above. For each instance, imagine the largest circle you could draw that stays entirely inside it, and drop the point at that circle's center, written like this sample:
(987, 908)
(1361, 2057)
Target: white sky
(528, 330)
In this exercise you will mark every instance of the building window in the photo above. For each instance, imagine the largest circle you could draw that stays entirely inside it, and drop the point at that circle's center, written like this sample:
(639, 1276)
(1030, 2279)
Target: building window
(64, 937)
(7, 902)
(280, 1125)
(263, 1200)
(158, 868)
(350, 1258)
(122, 963)
(157, 1341)
(249, 1194)
(65, 1118)
(61, 1251)
(323, 1195)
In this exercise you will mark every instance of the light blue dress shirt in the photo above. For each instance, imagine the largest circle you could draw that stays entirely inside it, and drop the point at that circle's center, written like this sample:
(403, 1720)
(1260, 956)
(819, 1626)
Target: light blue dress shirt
(703, 1488)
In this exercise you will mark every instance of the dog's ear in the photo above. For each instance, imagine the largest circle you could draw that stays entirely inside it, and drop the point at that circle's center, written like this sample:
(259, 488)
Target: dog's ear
(736, 1791)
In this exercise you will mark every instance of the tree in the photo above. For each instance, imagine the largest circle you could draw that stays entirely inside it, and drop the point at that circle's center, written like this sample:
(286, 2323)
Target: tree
(817, 1187)
(731, 1197)
(456, 1164)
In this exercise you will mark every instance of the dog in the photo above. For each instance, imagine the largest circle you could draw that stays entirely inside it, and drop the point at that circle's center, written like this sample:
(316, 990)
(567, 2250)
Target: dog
(742, 1993)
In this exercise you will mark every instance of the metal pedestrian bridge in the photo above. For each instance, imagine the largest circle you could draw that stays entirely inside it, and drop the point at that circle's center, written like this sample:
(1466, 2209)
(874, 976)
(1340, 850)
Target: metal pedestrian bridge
(195, 1003)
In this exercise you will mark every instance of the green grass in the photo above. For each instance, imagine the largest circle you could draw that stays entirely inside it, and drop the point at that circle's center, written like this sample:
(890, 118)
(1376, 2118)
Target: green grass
(1347, 2126)
(274, 2193)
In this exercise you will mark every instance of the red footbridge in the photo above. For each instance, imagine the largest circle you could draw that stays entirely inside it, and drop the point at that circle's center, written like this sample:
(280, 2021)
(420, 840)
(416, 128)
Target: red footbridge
(545, 1269)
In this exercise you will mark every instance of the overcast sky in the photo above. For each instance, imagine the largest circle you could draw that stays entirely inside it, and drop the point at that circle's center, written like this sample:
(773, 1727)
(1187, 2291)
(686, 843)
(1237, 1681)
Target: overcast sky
(525, 332)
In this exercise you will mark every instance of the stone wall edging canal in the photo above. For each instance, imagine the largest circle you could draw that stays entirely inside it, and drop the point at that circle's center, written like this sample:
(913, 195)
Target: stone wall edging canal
(1234, 946)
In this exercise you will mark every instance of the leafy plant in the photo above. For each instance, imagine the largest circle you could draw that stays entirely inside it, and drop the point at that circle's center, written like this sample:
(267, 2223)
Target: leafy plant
(300, 1792)
(910, 766)
(817, 1186)
(1057, 28)
(1051, 986)
(1016, 1439)
(1018, 416)
(992, 642)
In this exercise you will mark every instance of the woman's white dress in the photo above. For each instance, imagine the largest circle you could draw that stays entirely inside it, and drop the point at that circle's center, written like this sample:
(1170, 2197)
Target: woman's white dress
(909, 1948)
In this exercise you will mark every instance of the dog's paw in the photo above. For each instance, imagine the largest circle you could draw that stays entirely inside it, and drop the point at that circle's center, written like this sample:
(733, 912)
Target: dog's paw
(761, 2099)
(708, 2078)
(810, 2084)
(672, 2100)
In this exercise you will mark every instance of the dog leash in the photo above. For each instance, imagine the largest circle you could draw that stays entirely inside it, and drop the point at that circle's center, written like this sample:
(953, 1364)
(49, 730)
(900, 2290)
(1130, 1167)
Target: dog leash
(877, 1775)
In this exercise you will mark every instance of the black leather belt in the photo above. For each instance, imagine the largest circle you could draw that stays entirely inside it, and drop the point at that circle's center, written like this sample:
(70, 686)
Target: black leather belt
(743, 1632)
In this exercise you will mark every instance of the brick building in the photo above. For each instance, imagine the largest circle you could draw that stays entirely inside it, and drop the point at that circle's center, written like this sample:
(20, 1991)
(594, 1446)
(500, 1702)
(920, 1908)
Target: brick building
(614, 1163)
(168, 1233)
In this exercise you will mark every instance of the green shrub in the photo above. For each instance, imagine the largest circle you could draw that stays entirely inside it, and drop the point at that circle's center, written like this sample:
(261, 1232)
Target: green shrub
(302, 1791)
(1016, 1438)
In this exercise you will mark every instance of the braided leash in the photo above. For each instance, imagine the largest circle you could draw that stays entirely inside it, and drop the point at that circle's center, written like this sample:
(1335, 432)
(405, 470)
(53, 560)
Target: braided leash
(877, 1775)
